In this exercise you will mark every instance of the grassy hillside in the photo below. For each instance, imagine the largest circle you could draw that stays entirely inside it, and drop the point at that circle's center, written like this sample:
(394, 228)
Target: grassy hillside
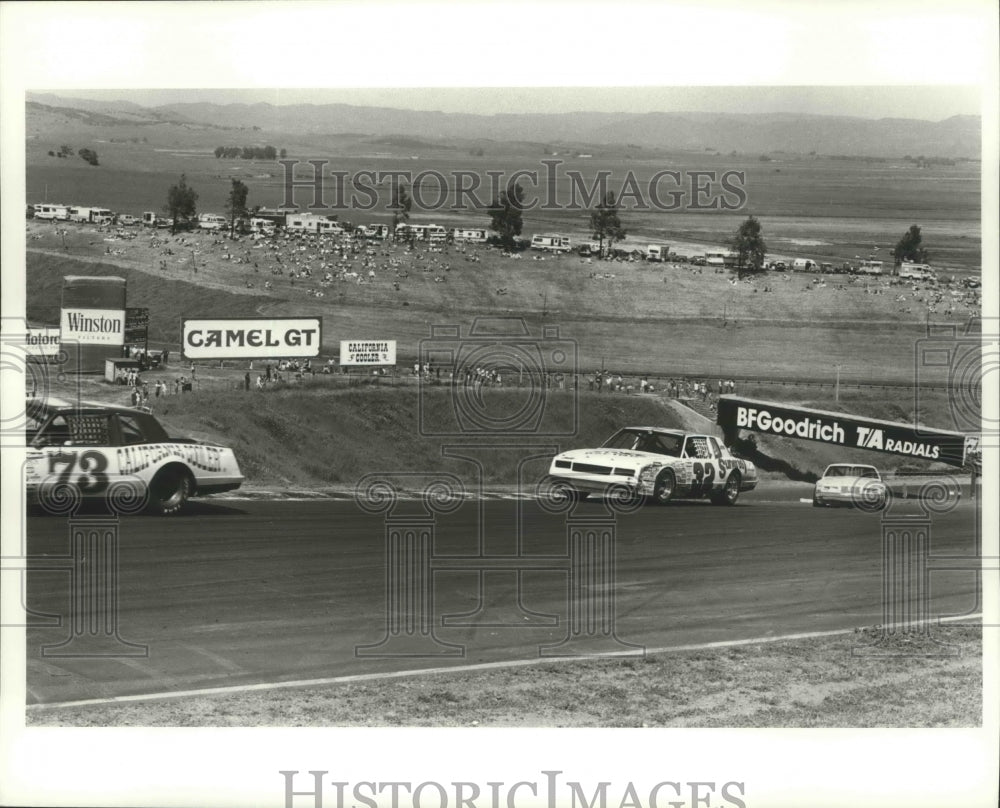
(314, 436)
(628, 317)
(324, 433)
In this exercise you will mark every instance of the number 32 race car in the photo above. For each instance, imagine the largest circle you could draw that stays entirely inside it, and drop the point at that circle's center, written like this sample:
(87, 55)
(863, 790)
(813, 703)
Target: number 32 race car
(659, 464)
(99, 450)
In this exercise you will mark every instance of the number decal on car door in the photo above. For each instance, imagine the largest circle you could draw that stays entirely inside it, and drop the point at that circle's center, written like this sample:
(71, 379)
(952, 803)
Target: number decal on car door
(92, 465)
(704, 477)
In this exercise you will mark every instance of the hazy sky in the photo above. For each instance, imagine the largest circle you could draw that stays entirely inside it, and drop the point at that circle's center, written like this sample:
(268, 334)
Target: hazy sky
(926, 102)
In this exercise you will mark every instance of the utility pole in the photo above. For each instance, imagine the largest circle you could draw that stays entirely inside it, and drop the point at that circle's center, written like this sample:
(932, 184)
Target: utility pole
(837, 387)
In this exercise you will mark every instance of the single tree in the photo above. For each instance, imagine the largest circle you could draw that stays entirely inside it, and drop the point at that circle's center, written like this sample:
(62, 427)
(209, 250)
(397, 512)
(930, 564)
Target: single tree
(400, 205)
(908, 248)
(505, 214)
(749, 247)
(236, 204)
(181, 200)
(605, 223)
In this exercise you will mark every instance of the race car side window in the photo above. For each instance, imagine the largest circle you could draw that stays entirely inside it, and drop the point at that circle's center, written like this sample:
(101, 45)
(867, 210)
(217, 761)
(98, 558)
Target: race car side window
(713, 447)
(89, 429)
(55, 433)
(130, 431)
(696, 447)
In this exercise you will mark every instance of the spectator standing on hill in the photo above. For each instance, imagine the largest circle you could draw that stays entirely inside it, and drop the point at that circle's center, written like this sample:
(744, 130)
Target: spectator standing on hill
(246, 381)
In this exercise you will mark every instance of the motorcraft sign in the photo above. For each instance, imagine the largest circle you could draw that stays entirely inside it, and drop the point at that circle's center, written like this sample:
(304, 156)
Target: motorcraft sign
(42, 342)
(368, 352)
(840, 429)
(251, 338)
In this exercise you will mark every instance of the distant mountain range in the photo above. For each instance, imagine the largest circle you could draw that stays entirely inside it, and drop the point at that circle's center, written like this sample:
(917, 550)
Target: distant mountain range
(956, 137)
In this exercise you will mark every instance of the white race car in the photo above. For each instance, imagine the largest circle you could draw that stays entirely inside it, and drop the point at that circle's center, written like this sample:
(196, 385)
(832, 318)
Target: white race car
(851, 484)
(659, 464)
(100, 450)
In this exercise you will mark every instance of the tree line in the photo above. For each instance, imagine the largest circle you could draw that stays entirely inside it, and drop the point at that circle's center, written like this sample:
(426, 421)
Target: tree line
(250, 152)
(506, 220)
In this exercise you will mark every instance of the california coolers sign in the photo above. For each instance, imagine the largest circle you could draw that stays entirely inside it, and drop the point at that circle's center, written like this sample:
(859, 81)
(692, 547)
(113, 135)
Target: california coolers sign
(367, 352)
(251, 338)
(840, 429)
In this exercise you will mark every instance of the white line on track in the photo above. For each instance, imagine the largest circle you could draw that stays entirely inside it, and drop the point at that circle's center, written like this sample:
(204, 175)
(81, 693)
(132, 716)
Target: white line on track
(484, 666)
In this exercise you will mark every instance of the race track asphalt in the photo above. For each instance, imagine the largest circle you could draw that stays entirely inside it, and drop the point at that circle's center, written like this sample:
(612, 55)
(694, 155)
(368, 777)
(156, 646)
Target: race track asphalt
(242, 591)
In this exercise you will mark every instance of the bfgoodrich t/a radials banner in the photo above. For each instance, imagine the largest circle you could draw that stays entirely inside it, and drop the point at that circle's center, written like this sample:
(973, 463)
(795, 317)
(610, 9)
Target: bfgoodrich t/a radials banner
(252, 338)
(367, 352)
(840, 429)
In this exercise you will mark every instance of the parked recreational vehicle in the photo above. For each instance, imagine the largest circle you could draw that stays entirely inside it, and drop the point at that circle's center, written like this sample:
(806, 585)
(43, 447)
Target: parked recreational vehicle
(470, 235)
(150, 219)
(433, 233)
(804, 265)
(212, 221)
(657, 252)
(869, 267)
(721, 258)
(380, 231)
(312, 223)
(551, 242)
(917, 272)
(91, 215)
(263, 225)
(45, 210)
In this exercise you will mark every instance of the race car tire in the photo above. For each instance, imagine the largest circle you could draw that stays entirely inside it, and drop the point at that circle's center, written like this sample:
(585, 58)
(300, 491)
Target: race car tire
(664, 487)
(730, 491)
(817, 503)
(169, 490)
(567, 490)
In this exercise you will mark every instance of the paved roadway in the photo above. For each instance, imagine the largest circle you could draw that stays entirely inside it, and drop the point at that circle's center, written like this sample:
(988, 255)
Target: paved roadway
(238, 592)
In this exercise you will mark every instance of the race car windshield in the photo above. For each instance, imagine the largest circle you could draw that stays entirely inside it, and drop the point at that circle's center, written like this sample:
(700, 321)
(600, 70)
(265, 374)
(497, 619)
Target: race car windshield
(644, 441)
(851, 471)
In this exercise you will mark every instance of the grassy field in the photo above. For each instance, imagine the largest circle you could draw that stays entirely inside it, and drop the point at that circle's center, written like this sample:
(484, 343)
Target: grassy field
(625, 317)
(836, 681)
(811, 205)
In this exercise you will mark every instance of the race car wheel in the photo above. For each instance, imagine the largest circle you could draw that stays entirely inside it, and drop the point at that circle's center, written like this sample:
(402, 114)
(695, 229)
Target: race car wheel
(817, 503)
(663, 488)
(564, 491)
(730, 492)
(169, 491)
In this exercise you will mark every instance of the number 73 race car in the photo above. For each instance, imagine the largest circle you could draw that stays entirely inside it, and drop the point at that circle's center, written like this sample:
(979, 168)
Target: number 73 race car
(94, 450)
(658, 464)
